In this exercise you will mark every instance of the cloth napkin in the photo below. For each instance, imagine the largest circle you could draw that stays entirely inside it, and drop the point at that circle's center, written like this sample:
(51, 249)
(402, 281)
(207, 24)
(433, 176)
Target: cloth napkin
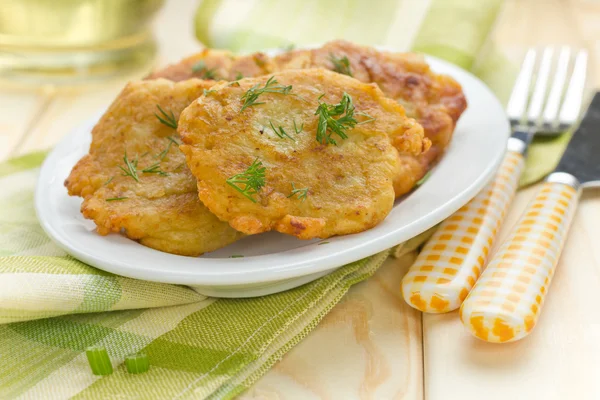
(52, 307)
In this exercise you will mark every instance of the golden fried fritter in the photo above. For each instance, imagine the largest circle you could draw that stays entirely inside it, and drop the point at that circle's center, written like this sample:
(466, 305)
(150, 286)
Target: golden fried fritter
(435, 101)
(212, 64)
(315, 182)
(151, 197)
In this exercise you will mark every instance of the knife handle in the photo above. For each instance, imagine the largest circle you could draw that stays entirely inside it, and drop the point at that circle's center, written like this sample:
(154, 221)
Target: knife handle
(451, 261)
(505, 303)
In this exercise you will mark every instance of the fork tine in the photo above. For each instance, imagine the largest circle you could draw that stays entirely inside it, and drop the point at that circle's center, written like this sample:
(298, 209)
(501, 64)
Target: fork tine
(557, 89)
(541, 84)
(574, 96)
(520, 93)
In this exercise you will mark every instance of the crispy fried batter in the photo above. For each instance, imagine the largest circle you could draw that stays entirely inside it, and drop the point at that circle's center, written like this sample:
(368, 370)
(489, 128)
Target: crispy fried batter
(161, 211)
(435, 101)
(348, 186)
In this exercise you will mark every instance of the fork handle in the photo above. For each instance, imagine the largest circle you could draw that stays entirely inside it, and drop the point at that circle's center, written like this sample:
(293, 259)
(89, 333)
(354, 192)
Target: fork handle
(451, 261)
(505, 303)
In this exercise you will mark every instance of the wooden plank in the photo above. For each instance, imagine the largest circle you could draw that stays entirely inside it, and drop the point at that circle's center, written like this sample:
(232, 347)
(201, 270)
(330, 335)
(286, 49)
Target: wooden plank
(64, 113)
(560, 359)
(367, 347)
(18, 112)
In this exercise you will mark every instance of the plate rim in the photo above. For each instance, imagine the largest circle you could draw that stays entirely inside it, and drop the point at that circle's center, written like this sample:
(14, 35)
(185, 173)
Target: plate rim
(286, 270)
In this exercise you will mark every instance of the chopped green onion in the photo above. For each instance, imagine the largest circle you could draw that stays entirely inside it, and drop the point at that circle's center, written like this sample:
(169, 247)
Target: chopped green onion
(137, 363)
(99, 360)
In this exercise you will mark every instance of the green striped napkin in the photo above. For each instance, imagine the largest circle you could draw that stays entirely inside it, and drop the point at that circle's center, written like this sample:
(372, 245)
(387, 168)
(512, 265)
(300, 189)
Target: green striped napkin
(52, 307)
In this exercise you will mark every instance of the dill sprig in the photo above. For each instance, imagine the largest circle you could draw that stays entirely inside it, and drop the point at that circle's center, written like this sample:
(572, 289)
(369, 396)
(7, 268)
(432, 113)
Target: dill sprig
(130, 168)
(369, 118)
(250, 181)
(302, 193)
(327, 125)
(298, 130)
(167, 119)
(281, 132)
(164, 153)
(109, 180)
(207, 92)
(239, 76)
(251, 96)
(206, 73)
(117, 198)
(154, 169)
(341, 65)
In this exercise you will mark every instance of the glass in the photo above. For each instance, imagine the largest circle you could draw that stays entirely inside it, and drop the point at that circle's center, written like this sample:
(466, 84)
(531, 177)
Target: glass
(69, 41)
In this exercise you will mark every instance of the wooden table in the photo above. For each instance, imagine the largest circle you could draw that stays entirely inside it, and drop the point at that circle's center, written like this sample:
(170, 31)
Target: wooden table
(372, 345)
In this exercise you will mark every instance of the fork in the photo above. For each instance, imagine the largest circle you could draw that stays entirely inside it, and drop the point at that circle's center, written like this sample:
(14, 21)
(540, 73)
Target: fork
(452, 260)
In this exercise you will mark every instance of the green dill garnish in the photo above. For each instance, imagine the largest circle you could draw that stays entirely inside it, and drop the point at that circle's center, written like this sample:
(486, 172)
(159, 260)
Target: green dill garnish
(234, 83)
(207, 92)
(340, 65)
(318, 244)
(145, 154)
(117, 198)
(327, 125)
(154, 169)
(423, 179)
(302, 193)
(255, 91)
(164, 153)
(109, 180)
(239, 76)
(167, 119)
(130, 168)
(296, 128)
(288, 47)
(250, 181)
(281, 133)
(209, 74)
(369, 118)
(236, 256)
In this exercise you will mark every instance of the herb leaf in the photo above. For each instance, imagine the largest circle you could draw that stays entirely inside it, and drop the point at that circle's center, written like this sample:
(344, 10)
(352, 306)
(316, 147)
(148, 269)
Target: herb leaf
(207, 92)
(154, 169)
(208, 74)
(250, 181)
(340, 65)
(164, 153)
(302, 193)
(327, 125)
(130, 168)
(281, 133)
(369, 118)
(298, 130)
(117, 198)
(251, 96)
(167, 119)
(238, 76)
(109, 180)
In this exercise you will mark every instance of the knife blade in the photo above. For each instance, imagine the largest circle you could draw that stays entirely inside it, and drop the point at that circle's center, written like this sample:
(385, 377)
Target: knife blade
(505, 303)
(581, 158)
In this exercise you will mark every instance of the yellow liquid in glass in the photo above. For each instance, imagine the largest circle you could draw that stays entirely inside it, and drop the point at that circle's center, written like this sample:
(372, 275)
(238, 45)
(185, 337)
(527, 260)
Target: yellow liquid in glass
(67, 41)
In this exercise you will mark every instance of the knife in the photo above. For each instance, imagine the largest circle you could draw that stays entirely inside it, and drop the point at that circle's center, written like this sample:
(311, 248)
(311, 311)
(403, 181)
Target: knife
(505, 303)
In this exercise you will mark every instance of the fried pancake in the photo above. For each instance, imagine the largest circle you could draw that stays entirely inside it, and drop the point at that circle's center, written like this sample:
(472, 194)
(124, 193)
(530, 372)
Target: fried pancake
(210, 64)
(435, 101)
(159, 207)
(311, 188)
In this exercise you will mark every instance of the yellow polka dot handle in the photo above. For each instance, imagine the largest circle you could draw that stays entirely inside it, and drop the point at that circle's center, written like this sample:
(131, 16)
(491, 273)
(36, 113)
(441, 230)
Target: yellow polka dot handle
(451, 261)
(505, 303)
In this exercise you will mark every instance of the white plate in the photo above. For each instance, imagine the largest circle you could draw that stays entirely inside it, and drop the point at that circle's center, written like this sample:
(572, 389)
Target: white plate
(273, 262)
